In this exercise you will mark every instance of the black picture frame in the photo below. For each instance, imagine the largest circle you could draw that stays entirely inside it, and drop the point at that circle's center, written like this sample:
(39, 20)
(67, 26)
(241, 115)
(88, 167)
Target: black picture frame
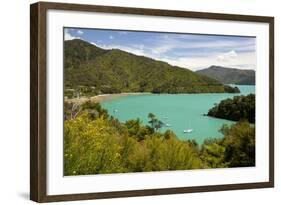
(38, 102)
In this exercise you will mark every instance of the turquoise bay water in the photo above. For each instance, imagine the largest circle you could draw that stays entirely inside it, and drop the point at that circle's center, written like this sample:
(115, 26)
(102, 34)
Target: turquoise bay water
(181, 111)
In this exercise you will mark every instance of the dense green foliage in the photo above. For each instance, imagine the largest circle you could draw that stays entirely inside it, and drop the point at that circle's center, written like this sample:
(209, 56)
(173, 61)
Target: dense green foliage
(96, 143)
(235, 149)
(239, 143)
(155, 123)
(230, 89)
(238, 108)
(90, 70)
(230, 75)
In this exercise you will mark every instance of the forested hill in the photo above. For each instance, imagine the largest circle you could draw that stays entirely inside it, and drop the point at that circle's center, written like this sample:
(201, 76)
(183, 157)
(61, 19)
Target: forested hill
(230, 75)
(239, 108)
(95, 71)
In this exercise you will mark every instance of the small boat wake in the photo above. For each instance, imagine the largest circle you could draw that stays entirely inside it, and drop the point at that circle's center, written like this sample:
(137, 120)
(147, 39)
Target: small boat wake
(188, 130)
(167, 124)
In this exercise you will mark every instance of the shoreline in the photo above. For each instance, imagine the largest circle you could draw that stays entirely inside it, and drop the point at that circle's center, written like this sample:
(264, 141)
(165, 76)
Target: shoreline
(107, 97)
(103, 97)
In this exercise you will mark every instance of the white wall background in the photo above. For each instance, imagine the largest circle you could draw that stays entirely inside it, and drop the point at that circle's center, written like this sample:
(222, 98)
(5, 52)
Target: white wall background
(14, 101)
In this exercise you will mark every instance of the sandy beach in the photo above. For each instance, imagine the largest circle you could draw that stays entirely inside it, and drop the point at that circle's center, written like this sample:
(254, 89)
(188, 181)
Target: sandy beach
(102, 98)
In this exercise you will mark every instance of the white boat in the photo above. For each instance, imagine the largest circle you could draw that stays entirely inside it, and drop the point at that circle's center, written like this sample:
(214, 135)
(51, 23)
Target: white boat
(188, 130)
(115, 110)
(168, 125)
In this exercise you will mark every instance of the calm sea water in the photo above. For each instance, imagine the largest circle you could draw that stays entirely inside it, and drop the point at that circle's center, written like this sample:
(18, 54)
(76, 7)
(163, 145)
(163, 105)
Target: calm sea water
(180, 111)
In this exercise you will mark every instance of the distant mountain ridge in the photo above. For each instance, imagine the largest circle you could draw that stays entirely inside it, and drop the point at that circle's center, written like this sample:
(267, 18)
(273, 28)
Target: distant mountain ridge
(94, 70)
(227, 75)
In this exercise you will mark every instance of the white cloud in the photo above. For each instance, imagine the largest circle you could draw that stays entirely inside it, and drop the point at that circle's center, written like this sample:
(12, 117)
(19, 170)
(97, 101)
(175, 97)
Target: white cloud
(163, 48)
(93, 43)
(232, 58)
(168, 43)
(137, 49)
(225, 57)
(244, 61)
(68, 36)
(79, 32)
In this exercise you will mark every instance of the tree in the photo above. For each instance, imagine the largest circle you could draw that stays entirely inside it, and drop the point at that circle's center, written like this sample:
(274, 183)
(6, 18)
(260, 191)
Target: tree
(212, 154)
(72, 110)
(239, 143)
(155, 123)
(89, 147)
(135, 129)
(237, 108)
(101, 144)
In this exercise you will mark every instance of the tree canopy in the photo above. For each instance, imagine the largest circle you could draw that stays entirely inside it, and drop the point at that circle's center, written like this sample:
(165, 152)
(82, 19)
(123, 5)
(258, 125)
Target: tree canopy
(237, 108)
(100, 144)
(90, 70)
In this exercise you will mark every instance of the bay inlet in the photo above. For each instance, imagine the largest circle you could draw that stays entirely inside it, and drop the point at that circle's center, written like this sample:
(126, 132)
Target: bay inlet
(178, 111)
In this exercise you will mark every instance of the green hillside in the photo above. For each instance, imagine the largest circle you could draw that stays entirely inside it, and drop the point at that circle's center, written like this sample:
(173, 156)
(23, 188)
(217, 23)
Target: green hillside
(92, 70)
(238, 108)
(230, 75)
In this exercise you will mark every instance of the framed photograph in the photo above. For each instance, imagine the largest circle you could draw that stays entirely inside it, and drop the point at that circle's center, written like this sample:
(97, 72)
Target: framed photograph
(135, 102)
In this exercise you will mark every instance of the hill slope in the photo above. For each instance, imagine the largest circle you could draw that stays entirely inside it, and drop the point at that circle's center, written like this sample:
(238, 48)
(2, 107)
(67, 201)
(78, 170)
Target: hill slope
(94, 70)
(237, 108)
(230, 75)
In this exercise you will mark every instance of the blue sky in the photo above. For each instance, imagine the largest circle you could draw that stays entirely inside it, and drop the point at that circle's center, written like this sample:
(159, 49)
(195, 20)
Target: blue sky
(191, 51)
